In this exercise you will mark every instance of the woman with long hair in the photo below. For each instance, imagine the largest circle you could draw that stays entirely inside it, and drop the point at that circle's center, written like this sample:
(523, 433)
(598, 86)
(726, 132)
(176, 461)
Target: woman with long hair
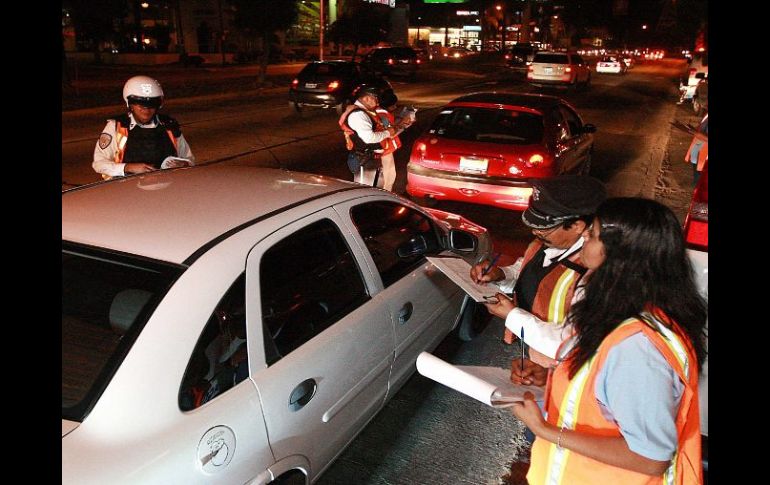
(622, 404)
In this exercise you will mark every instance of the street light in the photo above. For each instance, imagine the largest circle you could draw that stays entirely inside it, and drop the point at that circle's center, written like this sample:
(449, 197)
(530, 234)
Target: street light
(419, 21)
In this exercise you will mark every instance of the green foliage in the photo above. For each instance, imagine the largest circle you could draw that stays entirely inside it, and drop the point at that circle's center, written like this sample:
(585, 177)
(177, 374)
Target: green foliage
(360, 26)
(259, 17)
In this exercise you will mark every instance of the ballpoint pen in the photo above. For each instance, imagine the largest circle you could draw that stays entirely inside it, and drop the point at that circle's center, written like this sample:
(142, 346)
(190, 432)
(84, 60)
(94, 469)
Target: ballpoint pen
(491, 263)
(522, 348)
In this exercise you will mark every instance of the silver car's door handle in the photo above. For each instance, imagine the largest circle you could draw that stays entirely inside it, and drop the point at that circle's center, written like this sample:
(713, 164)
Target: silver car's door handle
(302, 394)
(406, 312)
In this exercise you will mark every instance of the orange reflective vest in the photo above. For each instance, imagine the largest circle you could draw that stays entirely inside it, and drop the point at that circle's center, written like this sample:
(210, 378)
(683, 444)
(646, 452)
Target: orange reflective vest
(389, 145)
(553, 298)
(352, 141)
(571, 404)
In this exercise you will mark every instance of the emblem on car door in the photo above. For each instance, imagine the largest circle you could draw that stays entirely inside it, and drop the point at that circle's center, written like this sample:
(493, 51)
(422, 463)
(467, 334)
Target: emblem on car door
(216, 449)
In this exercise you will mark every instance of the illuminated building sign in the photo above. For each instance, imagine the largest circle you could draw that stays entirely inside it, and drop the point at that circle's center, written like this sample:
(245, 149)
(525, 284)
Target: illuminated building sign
(467, 12)
(472, 28)
(444, 1)
(389, 3)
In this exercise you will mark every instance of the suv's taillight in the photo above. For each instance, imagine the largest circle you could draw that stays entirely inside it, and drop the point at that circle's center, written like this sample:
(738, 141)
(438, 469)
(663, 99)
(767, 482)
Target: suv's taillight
(294, 83)
(391, 61)
(333, 85)
(567, 69)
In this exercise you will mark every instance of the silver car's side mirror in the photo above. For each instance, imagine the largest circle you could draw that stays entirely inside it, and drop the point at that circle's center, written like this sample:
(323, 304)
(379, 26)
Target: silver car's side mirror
(462, 241)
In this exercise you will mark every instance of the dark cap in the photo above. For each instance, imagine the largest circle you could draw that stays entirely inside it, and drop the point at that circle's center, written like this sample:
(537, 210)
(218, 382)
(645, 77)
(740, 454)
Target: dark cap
(558, 199)
(365, 89)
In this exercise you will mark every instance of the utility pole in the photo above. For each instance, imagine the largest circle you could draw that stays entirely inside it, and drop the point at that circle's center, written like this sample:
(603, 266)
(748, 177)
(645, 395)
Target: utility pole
(321, 30)
(221, 32)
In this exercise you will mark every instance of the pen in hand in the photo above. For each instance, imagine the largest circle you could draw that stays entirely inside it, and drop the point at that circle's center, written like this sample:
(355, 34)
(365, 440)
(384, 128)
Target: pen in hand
(491, 264)
(522, 347)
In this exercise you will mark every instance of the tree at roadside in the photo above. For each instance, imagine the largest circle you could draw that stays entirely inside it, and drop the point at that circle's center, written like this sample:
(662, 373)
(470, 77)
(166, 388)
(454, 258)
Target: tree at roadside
(94, 21)
(261, 19)
(360, 25)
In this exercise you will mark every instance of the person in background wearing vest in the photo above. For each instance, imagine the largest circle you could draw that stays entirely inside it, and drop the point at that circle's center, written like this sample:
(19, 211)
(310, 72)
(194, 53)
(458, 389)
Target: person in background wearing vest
(698, 152)
(364, 134)
(141, 140)
(386, 111)
(545, 280)
(622, 403)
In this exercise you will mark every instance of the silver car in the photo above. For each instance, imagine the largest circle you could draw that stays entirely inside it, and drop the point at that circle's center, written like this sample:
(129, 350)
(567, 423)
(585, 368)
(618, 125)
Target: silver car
(558, 68)
(241, 325)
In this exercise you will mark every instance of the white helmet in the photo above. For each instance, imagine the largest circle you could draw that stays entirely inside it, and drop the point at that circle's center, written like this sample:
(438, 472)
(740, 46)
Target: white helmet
(143, 90)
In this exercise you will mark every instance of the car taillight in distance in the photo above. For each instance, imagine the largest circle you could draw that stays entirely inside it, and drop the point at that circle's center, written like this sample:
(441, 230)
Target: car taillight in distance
(567, 69)
(391, 61)
(333, 85)
(294, 83)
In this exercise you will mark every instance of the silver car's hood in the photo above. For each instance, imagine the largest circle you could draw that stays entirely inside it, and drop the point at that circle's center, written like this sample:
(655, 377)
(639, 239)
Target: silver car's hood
(68, 426)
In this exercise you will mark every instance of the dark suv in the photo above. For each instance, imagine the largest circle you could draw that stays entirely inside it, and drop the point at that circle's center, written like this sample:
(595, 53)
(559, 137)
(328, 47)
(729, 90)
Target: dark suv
(330, 84)
(392, 61)
(520, 56)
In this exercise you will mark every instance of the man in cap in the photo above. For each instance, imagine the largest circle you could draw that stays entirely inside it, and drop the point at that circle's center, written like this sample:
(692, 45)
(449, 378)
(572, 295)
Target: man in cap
(141, 140)
(545, 279)
(364, 133)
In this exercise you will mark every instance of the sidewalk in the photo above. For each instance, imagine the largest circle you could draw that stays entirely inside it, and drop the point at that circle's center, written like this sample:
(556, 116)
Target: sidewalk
(101, 86)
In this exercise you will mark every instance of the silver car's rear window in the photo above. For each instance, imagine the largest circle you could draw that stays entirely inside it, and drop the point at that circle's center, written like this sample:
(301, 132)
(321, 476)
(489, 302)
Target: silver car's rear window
(551, 58)
(492, 125)
(106, 300)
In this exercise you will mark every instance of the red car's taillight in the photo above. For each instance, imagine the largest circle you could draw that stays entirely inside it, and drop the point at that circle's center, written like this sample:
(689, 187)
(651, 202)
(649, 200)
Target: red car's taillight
(696, 223)
(534, 160)
(567, 69)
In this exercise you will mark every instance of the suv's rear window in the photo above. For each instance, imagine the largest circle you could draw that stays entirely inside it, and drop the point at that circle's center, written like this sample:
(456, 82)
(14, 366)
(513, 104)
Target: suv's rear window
(551, 58)
(331, 69)
(396, 52)
(491, 125)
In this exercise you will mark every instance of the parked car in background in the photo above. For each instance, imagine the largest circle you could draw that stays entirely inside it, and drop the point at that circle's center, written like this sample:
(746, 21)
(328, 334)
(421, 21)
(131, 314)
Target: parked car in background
(330, 84)
(244, 333)
(700, 99)
(628, 60)
(458, 52)
(697, 70)
(520, 56)
(485, 148)
(558, 68)
(392, 61)
(611, 65)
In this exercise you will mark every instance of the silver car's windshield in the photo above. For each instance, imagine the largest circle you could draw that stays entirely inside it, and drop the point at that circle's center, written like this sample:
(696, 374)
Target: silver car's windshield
(106, 299)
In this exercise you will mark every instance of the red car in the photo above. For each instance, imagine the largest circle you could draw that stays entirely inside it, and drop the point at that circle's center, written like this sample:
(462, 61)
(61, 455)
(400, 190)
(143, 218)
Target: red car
(484, 148)
(696, 223)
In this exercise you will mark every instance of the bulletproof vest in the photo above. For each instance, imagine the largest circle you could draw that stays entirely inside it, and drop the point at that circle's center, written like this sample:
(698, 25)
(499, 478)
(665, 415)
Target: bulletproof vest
(149, 145)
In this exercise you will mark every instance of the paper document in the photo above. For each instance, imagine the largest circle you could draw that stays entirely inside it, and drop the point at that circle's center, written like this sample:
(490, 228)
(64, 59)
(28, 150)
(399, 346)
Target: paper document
(174, 162)
(459, 271)
(490, 385)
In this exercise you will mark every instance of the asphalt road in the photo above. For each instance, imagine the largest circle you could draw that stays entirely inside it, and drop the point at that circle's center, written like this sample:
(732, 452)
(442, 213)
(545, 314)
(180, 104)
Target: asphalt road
(428, 434)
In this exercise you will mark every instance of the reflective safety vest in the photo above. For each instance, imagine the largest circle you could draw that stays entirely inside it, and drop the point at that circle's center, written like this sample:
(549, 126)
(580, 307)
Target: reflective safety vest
(389, 145)
(353, 142)
(554, 295)
(572, 405)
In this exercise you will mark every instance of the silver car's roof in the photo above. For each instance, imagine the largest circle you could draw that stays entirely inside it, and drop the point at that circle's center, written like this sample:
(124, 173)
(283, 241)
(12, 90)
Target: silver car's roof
(168, 215)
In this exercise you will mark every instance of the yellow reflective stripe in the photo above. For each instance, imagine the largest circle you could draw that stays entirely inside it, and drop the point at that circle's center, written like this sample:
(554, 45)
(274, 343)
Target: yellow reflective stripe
(557, 457)
(673, 342)
(558, 298)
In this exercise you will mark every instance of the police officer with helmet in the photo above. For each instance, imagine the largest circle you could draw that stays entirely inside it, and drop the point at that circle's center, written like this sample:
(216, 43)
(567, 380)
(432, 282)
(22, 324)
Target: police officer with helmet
(141, 140)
